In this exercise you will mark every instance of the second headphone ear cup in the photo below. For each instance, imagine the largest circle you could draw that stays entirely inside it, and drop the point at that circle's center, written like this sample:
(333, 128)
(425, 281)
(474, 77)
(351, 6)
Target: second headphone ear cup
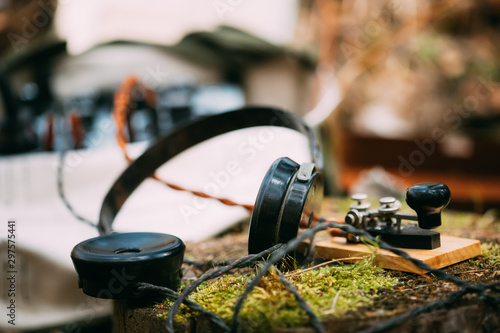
(302, 204)
(110, 266)
(289, 197)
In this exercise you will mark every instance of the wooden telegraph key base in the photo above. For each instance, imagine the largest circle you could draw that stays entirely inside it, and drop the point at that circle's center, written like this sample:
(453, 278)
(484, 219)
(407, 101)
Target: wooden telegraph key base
(419, 241)
(451, 251)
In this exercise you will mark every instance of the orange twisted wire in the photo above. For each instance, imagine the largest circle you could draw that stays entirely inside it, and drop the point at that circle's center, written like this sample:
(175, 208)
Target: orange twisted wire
(123, 108)
(332, 231)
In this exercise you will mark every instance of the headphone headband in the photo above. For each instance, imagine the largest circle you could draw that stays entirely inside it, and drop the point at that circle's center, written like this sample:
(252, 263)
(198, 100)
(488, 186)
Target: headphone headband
(188, 135)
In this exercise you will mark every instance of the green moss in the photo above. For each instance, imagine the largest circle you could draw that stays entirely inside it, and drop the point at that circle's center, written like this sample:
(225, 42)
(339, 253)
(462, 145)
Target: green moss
(270, 305)
(490, 255)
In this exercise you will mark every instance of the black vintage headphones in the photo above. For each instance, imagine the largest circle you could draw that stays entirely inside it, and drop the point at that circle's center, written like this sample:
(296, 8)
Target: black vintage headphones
(289, 197)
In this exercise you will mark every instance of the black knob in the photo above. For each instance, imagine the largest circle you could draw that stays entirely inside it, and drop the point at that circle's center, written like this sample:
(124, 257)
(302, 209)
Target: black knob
(428, 200)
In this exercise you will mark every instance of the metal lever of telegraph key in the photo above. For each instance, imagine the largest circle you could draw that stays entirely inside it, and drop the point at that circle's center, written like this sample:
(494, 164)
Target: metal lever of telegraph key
(428, 200)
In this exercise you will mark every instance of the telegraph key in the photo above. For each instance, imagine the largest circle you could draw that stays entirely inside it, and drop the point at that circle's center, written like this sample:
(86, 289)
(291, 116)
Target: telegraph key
(427, 199)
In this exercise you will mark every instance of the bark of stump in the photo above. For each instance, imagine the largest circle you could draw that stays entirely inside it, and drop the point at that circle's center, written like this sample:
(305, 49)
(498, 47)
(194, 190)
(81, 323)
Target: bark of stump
(466, 318)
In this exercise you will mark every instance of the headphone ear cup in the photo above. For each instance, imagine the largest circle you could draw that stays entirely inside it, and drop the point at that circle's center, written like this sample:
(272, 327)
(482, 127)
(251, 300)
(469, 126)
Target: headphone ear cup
(110, 266)
(289, 197)
(266, 215)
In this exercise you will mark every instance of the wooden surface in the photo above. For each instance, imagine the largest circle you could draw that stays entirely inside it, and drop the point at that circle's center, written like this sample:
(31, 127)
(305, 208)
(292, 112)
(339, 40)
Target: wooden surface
(451, 251)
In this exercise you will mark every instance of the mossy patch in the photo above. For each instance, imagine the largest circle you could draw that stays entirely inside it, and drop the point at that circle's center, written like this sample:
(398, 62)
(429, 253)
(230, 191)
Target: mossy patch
(490, 256)
(329, 291)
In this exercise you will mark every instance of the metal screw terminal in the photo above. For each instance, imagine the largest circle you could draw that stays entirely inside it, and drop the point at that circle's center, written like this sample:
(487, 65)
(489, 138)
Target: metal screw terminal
(389, 205)
(354, 218)
(360, 205)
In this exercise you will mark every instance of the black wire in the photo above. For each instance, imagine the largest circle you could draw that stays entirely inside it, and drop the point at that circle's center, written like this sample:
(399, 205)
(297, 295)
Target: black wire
(294, 243)
(275, 257)
(418, 263)
(427, 308)
(205, 264)
(190, 304)
(313, 319)
(62, 195)
(242, 262)
(413, 312)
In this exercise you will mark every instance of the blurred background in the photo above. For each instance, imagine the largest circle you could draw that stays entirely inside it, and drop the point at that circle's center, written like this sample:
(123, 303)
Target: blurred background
(399, 92)
(409, 87)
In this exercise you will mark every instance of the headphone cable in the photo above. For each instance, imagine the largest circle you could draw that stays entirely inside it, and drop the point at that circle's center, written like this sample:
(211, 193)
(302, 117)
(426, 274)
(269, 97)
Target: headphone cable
(62, 195)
